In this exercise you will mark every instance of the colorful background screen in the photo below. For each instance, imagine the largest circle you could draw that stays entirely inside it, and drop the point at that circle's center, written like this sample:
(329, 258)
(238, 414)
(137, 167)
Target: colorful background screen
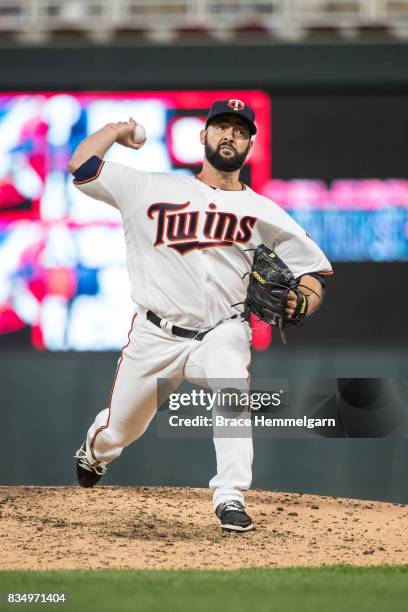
(63, 276)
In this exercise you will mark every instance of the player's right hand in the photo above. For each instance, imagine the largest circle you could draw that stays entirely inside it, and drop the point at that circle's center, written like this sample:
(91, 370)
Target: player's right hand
(125, 131)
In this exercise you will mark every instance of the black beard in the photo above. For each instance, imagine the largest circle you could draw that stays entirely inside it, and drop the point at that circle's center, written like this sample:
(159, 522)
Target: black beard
(224, 164)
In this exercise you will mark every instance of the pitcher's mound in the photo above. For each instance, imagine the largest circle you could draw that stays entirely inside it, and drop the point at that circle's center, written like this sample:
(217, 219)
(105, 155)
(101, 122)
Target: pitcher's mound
(161, 527)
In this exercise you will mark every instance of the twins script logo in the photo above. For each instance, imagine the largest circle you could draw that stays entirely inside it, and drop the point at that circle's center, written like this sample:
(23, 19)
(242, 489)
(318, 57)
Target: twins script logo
(178, 227)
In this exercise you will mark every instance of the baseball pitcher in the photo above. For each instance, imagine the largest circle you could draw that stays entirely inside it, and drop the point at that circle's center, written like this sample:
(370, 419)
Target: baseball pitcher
(203, 252)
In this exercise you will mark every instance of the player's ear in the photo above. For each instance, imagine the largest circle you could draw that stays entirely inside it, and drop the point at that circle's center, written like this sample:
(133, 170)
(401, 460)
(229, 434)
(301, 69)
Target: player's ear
(203, 134)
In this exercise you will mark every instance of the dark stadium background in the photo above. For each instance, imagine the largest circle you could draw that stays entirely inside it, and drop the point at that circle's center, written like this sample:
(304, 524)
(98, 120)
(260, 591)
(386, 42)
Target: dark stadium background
(339, 111)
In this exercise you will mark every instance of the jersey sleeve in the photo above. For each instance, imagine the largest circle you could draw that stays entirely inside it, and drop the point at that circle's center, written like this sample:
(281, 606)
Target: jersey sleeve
(291, 243)
(113, 183)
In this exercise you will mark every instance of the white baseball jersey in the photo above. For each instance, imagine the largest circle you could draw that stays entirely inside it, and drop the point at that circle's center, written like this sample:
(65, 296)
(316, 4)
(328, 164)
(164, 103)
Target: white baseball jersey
(188, 243)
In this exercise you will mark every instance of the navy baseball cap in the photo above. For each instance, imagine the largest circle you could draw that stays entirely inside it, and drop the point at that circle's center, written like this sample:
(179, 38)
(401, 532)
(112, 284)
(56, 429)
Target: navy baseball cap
(233, 107)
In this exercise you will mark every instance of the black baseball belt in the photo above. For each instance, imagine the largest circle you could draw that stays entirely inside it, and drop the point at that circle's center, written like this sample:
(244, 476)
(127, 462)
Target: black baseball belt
(176, 330)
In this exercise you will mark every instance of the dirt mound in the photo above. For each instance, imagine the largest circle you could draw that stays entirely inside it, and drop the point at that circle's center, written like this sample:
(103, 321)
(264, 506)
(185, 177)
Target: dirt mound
(157, 527)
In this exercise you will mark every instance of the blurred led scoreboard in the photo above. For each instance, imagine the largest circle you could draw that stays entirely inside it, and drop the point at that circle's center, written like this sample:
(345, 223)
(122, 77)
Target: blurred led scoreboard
(63, 276)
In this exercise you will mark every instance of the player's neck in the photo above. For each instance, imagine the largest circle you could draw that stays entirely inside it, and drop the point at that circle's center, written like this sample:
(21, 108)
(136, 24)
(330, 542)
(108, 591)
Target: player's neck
(223, 180)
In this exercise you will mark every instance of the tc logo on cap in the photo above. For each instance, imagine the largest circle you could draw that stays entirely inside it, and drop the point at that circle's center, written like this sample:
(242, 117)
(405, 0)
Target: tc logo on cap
(236, 105)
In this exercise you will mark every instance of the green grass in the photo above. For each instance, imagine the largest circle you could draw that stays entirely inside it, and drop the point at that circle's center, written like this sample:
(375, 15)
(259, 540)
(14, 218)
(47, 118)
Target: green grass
(327, 589)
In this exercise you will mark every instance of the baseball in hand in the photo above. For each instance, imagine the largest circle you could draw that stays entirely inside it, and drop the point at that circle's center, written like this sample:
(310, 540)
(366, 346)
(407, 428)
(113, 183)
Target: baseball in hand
(139, 134)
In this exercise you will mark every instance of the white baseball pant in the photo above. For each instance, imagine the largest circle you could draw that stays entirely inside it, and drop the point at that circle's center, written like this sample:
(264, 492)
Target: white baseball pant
(151, 353)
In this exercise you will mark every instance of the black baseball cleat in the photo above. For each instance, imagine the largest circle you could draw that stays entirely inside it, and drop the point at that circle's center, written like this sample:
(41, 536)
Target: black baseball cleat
(233, 516)
(88, 474)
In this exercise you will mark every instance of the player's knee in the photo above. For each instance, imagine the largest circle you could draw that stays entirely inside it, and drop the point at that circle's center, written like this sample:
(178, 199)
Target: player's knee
(228, 366)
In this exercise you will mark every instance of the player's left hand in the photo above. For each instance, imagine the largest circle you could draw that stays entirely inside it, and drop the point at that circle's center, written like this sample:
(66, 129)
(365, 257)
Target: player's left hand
(291, 303)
